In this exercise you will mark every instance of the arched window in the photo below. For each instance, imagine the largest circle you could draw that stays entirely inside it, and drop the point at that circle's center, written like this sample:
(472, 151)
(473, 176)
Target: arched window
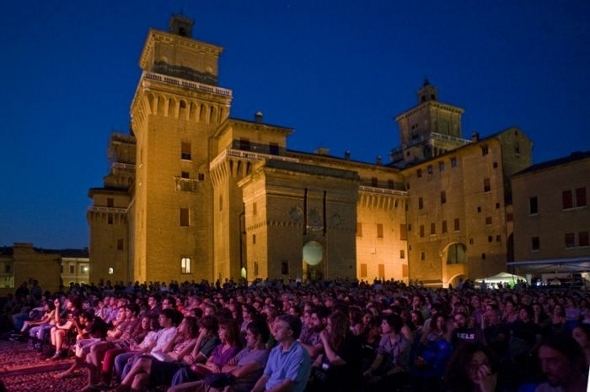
(456, 254)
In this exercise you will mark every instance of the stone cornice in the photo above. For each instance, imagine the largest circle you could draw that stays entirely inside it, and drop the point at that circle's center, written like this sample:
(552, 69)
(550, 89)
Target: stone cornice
(160, 36)
(435, 104)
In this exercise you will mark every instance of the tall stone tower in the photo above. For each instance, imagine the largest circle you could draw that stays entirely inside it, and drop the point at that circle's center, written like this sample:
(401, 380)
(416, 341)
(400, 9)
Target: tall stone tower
(175, 111)
(428, 129)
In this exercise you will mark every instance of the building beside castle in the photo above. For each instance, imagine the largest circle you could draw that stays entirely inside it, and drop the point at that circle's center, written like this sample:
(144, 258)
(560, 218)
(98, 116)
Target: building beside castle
(194, 193)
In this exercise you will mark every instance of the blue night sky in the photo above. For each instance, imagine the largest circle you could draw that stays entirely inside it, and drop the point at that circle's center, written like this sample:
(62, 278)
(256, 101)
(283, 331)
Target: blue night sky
(336, 71)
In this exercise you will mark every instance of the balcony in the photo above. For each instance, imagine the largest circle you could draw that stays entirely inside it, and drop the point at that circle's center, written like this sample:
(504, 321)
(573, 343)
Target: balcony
(187, 84)
(186, 184)
(108, 210)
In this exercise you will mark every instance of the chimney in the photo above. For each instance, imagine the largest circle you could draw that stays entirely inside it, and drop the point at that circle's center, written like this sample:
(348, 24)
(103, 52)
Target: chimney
(347, 155)
(475, 136)
(258, 117)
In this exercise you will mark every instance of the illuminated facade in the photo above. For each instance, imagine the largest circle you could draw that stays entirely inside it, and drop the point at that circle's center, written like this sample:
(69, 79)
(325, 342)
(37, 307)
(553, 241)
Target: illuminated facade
(196, 194)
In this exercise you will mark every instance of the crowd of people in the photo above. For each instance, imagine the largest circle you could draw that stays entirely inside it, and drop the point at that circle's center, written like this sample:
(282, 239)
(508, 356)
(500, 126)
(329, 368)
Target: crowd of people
(325, 335)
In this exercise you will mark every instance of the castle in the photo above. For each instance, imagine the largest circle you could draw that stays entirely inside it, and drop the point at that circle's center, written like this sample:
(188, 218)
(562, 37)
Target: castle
(194, 193)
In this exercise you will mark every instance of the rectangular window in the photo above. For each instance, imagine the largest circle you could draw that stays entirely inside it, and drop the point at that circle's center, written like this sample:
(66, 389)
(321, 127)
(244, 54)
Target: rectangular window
(453, 162)
(390, 184)
(567, 202)
(201, 177)
(484, 150)
(273, 148)
(429, 169)
(419, 173)
(359, 229)
(432, 228)
(441, 166)
(254, 209)
(379, 230)
(184, 217)
(185, 265)
(422, 256)
(120, 244)
(533, 205)
(381, 271)
(110, 202)
(363, 270)
(374, 181)
(583, 238)
(220, 202)
(284, 268)
(488, 220)
(457, 224)
(486, 185)
(185, 174)
(421, 230)
(498, 238)
(185, 151)
(570, 240)
(443, 197)
(444, 226)
(244, 144)
(403, 232)
(72, 269)
(253, 238)
(535, 243)
(82, 269)
(420, 203)
(110, 219)
(402, 254)
(580, 197)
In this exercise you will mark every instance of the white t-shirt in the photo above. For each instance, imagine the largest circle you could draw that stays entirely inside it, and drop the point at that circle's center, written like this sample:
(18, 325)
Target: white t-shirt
(165, 336)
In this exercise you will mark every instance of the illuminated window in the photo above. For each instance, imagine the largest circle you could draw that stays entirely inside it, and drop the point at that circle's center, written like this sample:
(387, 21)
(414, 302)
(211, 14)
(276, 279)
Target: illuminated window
(185, 265)
(185, 151)
(184, 217)
(535, 243)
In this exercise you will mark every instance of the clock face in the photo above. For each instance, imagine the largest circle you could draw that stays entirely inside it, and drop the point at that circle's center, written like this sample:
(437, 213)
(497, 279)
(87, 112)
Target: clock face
(296, 213)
